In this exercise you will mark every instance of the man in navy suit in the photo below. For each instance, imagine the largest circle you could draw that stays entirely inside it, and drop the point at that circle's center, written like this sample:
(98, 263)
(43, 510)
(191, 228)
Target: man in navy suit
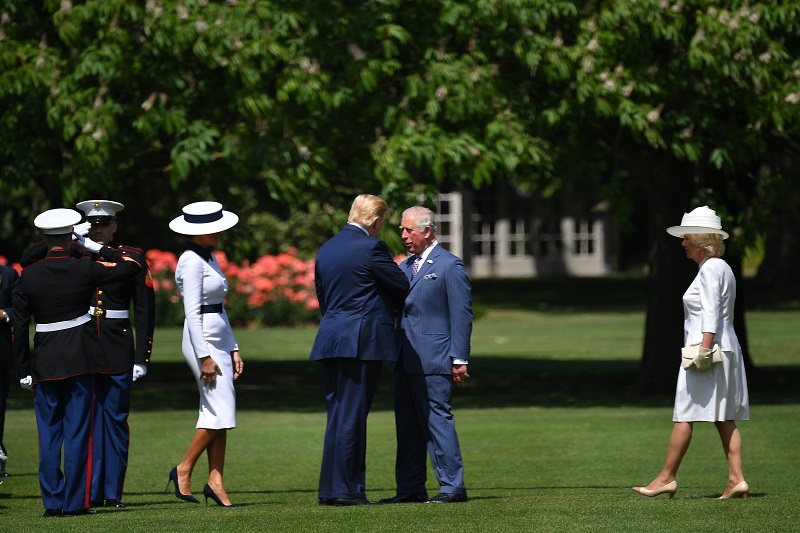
(359, 288)
(434, 336)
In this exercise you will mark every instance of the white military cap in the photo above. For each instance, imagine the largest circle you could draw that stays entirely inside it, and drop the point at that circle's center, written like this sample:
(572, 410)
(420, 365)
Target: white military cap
(57, 221)
(99, 211)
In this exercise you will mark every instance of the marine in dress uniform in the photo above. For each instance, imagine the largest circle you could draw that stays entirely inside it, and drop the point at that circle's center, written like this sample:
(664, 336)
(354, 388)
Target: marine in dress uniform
(128, 357)
(56, 292)
(8, 279)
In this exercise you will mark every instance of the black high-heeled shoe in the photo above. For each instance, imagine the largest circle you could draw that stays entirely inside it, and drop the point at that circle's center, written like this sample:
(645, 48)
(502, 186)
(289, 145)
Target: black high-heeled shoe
(208, 492)
(173, 476)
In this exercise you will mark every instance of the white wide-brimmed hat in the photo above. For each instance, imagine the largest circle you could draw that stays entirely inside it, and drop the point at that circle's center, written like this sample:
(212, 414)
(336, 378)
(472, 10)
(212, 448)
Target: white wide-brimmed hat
(57, 221)
(699, 220)
(203, 218)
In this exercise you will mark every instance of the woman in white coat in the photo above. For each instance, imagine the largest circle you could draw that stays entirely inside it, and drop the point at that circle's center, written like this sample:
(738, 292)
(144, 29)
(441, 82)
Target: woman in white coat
(209, 346)
(707, 392)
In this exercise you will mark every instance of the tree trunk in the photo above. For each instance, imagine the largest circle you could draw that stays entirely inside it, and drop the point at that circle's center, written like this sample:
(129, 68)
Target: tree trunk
(667, 188)
(671, 272)
(778, 270)
(668, 191)
(739, 323)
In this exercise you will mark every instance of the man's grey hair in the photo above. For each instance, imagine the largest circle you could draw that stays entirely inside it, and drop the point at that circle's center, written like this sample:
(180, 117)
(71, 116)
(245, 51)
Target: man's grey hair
(425, 217)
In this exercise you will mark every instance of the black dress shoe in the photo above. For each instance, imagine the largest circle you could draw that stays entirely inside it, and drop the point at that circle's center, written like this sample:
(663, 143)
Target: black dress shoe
(340, 502)
(79, 512)
(116, 504)
(413, 497)
(53, 513)
(326, 501)
(448, 498)
(96, 503)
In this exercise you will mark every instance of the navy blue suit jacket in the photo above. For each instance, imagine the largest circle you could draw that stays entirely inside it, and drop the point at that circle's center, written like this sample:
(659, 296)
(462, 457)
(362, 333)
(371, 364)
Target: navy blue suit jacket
(359, 288)
(436, 322)
(8, 280)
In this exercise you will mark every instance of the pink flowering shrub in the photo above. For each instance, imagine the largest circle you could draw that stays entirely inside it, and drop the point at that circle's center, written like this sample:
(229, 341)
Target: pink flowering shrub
(273, 290)
(15, 266)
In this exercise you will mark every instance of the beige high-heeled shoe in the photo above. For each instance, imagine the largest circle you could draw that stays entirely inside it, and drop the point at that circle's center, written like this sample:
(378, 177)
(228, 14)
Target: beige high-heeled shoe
(670, 488)
(741, 490)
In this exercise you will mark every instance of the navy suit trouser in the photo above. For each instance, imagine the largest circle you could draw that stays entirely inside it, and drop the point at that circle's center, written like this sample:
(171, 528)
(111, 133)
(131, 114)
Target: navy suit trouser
(63, 417)
(350, 386)
(424, 422)
(110, 435)
(5, 385)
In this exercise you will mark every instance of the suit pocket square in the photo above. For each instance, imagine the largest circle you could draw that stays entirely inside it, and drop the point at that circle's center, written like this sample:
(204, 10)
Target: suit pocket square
(430, 276)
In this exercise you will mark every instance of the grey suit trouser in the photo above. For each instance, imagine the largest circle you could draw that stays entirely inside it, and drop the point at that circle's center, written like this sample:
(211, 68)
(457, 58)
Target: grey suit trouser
(425, 422)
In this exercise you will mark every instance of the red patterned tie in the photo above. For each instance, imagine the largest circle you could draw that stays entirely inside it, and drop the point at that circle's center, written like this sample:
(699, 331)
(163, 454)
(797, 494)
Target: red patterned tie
(415, 265)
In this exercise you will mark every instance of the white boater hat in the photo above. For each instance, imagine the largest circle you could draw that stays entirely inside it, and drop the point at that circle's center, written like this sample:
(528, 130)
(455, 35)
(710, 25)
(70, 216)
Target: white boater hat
(100, 211)
(203, 218)
(57, 221)
(699, 220)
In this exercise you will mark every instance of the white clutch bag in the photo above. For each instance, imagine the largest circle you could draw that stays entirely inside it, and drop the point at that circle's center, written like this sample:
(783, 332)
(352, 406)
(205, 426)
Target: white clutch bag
(695, 357)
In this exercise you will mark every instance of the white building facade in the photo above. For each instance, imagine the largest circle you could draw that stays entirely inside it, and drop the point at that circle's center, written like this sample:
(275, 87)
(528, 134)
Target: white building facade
(504, 233)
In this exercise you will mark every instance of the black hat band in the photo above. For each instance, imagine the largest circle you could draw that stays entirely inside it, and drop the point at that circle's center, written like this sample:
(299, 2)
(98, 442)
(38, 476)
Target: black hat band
(203, 219)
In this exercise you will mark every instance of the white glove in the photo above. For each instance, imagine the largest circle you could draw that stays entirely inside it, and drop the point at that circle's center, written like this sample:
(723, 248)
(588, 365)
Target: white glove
(89, 244)
(81, 229)
(26, 383)
(703, 359)
(139, 371)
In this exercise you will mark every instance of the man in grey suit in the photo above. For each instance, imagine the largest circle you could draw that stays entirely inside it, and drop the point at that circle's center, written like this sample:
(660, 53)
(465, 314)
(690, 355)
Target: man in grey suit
(434, 337)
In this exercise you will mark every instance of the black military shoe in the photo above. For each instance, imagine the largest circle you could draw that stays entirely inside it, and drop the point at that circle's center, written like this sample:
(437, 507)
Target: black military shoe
(79, 512)
(116, 504)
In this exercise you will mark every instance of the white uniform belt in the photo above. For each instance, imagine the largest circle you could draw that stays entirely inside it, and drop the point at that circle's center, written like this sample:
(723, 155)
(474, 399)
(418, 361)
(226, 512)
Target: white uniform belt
(109, 313)
(64, 324)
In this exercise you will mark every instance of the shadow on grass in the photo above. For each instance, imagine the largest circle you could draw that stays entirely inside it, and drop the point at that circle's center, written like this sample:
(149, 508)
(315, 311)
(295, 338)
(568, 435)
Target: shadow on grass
(496, 382)
(617, 294)
(562, 294)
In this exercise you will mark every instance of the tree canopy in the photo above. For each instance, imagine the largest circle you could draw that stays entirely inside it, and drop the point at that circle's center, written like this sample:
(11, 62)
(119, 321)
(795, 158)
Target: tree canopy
(281, 107)
(279, 103)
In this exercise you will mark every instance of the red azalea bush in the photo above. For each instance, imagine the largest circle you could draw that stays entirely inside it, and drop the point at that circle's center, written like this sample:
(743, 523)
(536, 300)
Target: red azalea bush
(273, 290)
(15, 266)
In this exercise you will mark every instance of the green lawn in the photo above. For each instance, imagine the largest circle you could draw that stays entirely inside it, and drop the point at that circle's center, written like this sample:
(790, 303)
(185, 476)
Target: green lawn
(552, 434)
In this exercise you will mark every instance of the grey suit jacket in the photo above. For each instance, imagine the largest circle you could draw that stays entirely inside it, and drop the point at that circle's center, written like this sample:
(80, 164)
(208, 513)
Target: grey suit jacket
(436, 322)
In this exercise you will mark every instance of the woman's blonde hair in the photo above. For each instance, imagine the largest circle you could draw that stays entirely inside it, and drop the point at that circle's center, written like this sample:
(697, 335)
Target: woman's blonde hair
(367, 208)
(712, 243)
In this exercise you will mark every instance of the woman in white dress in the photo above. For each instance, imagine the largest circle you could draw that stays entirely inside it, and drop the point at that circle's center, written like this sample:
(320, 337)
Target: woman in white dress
(718, 392)
(209, 346)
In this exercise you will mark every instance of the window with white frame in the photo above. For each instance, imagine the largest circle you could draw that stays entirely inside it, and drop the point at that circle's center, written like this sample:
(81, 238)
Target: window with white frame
(444, 219)
(584, 238)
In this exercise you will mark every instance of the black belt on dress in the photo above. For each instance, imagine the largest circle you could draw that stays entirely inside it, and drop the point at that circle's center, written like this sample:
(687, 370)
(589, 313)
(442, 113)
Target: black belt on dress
(211, 308)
